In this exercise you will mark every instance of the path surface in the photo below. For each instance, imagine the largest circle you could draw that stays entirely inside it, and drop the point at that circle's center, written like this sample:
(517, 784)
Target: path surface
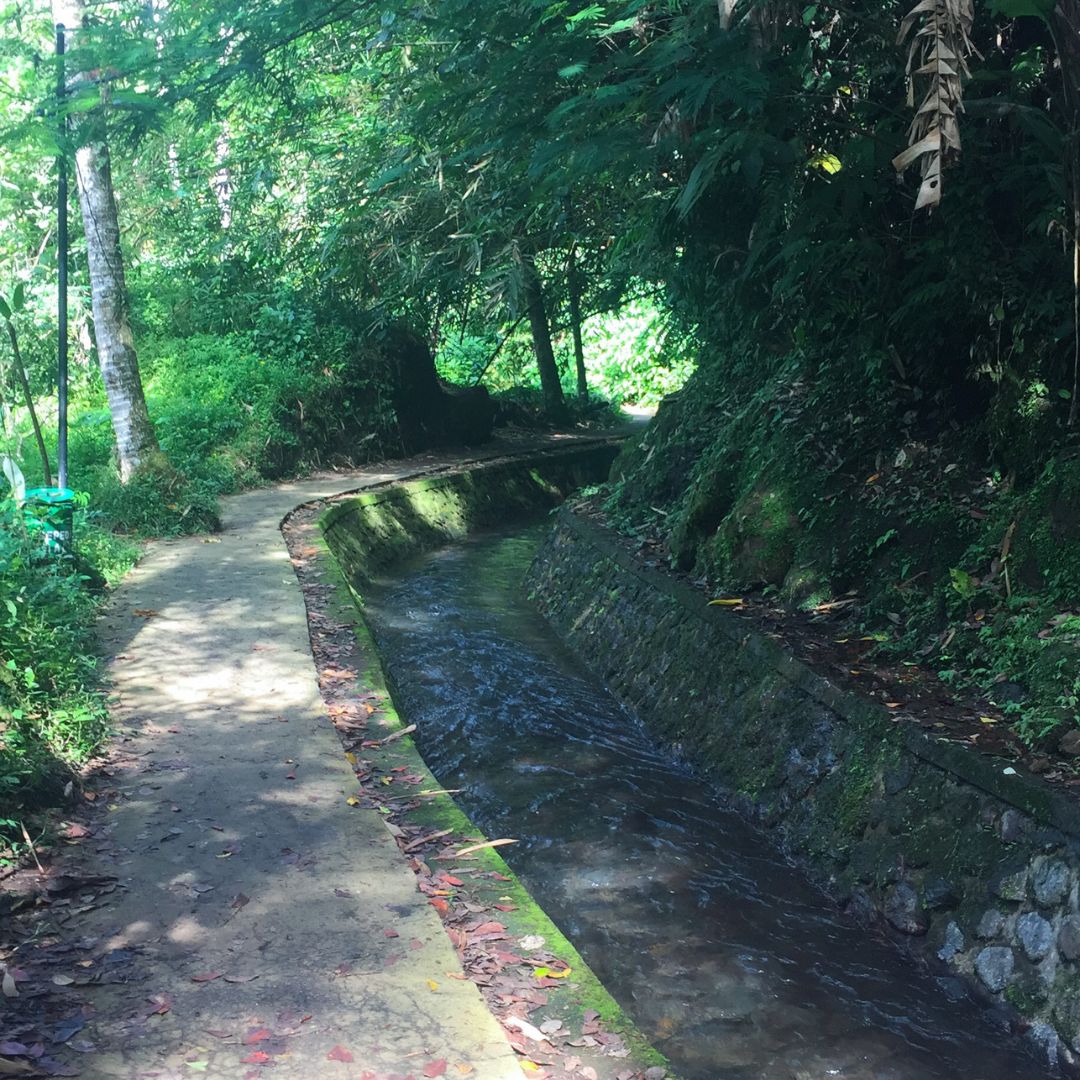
(237, 851)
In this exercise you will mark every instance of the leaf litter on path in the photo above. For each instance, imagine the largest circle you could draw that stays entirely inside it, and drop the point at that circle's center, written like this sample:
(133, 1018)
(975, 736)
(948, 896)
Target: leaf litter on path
(516, 987)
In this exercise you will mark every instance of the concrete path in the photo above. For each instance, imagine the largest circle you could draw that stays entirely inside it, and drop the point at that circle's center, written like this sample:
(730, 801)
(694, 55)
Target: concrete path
(255, 900)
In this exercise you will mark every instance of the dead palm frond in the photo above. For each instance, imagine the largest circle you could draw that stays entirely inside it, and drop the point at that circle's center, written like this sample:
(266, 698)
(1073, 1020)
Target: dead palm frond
(940, 33)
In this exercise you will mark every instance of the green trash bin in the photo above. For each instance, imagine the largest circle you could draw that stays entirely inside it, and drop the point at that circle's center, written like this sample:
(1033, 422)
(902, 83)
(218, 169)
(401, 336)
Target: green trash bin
(49, 514)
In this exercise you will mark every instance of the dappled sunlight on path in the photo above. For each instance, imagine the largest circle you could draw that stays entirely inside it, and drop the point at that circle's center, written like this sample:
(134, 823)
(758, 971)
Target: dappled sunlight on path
(254, 901)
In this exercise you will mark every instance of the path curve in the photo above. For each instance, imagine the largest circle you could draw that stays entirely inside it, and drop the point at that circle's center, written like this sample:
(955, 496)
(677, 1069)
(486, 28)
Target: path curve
(237, 852)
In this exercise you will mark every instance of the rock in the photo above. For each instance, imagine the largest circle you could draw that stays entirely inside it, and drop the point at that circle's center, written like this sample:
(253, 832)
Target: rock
(1067, 1017)
(655, 1073)
(1050, 882)
(994, 966)
(953, 942)
(1013, 825)
(861, 908)
(902, 910)
(1046, 1038)
(1069, 938)
(939, 895)
(1007, 692)
(991, 924)
(898, 778)
(1069, 743)
(1010, 884)
(1035, 934)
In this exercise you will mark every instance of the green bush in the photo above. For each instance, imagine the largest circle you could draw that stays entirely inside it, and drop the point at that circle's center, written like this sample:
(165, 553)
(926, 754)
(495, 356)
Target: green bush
(52, 717)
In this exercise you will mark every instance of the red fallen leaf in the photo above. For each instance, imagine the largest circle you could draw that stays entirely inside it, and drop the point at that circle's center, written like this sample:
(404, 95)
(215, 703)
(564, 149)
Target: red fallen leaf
(239, 901)
(504, 907)
(162, 1004)
(489, 928)
(290, 776)
(210, 976)
(391, 933)
(416, 943)
(339, 1053)
(257, 1035)
(499, 877)
(76, 831)
(256, 1057)
(450, 879)
(440, 905)
(435, 1068)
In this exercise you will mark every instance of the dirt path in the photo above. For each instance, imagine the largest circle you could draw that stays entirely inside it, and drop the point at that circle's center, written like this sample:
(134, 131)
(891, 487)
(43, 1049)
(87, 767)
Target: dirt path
(256, 909)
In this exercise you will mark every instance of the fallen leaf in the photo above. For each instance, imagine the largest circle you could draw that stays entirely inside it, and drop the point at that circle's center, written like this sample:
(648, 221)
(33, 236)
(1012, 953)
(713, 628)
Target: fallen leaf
(210, 976)
(726, 603)
(420, 841)
(240, 978)
(144, 613)
(256, 1057)
(397, 735)
(240, 901)
(547, 973)
(339, 1053)
(8, 985)
(62, 980)
(352, 800)
(435, 1068)
(525, 1028)
(480, 847)
(432, 985)
(256, 1035)
(14, 1068)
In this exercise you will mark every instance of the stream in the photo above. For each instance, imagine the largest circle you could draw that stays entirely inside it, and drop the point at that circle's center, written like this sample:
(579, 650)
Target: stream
(732, 963)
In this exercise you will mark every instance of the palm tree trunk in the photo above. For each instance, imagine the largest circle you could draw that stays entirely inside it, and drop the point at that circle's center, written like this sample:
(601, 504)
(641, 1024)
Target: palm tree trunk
(135, 438)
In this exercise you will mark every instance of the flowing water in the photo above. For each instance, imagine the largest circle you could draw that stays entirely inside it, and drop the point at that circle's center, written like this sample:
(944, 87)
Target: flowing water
(732, 963)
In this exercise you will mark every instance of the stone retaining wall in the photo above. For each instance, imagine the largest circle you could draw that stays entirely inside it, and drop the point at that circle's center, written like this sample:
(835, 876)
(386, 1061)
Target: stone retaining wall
(371, 531)
(976, 863)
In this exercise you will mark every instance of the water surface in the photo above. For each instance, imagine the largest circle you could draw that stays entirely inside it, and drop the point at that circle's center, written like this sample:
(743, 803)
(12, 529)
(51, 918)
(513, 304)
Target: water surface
(729, 960)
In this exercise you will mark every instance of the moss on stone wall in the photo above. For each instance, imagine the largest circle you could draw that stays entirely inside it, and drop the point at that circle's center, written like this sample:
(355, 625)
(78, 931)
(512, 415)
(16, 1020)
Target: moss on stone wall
(929, 834)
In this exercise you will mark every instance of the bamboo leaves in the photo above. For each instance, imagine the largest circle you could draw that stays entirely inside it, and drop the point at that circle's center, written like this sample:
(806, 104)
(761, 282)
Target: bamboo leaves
(940, 36)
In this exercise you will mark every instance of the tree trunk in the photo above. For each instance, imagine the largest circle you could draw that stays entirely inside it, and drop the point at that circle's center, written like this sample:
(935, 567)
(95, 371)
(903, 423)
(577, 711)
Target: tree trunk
(1065, 28)
(554, 403)
(28, 397)
(573, 286)
(135, 437)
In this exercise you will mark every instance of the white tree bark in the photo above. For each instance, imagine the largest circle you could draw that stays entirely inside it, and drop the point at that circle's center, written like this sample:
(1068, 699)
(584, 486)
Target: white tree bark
(135, 437)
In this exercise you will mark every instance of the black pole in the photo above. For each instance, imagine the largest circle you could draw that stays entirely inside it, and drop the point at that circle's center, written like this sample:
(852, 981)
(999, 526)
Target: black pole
(62, 271)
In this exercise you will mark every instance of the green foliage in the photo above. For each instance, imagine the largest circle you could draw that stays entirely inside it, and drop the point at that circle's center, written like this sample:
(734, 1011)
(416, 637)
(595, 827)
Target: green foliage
(637, 355)
(52, 718)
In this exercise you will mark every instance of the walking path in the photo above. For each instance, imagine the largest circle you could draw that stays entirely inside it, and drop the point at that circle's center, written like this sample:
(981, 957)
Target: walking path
(260, 908)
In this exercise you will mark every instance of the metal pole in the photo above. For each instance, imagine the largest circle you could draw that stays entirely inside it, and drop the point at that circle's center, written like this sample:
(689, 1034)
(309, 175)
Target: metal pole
(62, 270)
